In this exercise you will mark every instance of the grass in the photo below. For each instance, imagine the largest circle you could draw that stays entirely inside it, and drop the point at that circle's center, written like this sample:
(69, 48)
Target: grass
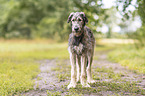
(18, 63)
(133, 59)
(107, 80)
(106, 73)
(19, 67)
(34, 50)
(109, 44)
(49, 93)
(17, 76)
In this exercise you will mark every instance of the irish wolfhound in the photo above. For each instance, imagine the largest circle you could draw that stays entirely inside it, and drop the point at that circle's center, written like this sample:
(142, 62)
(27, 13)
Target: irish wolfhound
(81, 49)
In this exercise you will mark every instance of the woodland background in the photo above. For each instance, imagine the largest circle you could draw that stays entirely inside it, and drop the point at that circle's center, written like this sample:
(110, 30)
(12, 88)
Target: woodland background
(31, 19)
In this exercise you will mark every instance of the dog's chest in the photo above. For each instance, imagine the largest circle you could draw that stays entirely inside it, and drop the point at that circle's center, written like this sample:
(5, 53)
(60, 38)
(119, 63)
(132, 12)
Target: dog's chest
(79, 49)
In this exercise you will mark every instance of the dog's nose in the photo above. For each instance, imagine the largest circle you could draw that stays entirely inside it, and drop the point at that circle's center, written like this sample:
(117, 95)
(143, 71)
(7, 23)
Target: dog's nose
(76, 28)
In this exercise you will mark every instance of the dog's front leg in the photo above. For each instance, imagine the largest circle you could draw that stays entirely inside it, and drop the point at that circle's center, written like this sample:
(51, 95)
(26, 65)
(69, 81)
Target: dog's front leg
(83, 72)
(73, 71)
(78, 63)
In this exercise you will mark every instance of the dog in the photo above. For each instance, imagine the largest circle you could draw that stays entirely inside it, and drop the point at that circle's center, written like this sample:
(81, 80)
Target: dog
(81, 49)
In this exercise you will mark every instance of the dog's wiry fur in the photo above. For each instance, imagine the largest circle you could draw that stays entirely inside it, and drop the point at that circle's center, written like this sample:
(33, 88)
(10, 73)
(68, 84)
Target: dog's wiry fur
(81, 49)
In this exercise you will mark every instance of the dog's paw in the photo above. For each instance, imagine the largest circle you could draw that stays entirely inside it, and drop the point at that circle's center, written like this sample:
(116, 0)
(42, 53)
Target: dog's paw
(71, 85)
(78, 80)
(91, 81)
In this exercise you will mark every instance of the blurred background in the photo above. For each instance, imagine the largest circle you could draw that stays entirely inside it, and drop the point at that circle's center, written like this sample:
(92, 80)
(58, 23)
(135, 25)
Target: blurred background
(37, 19)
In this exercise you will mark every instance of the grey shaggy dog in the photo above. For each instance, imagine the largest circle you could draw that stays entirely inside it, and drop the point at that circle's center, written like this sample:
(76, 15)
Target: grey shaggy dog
(81, 49)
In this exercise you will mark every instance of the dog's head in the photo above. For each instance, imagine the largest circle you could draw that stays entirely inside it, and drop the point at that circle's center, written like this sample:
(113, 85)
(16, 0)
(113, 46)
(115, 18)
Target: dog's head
(78, 21)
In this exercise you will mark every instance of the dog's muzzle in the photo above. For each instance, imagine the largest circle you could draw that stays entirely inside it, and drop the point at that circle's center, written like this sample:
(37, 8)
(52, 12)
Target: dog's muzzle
(76, 28)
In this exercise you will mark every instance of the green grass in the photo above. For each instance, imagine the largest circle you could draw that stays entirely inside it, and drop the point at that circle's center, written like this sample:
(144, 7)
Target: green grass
(34, 50)
(19, 66)
(128, 56)
(18, 63)
(17, 76)
(49, 93)
(107, 80)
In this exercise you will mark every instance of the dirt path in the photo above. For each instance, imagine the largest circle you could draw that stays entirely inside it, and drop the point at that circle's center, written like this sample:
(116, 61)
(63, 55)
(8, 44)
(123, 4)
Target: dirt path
(46, 80)
(112, 79)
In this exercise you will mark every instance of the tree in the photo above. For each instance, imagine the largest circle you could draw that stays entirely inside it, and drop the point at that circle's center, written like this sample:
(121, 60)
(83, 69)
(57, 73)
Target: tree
(139, 35)
(47, 18)
(25, 16)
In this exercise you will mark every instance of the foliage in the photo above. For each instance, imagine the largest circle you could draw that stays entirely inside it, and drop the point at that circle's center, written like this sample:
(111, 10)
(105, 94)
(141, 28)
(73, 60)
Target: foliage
(47, 18)
(141, 13)
(124, 4)
(24, 16)
(139, 35)
(42, 18)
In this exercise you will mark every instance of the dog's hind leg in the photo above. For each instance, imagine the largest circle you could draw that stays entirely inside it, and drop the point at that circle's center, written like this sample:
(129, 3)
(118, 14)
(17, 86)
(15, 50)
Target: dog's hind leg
(89, 75)
(73, 71)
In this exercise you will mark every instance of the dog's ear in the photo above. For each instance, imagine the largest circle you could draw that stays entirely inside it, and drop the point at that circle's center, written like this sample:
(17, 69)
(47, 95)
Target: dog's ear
(84, 17)
(70, 16)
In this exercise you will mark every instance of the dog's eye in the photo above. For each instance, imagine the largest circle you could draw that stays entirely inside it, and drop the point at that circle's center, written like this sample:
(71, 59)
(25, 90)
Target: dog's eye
(79, 20)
